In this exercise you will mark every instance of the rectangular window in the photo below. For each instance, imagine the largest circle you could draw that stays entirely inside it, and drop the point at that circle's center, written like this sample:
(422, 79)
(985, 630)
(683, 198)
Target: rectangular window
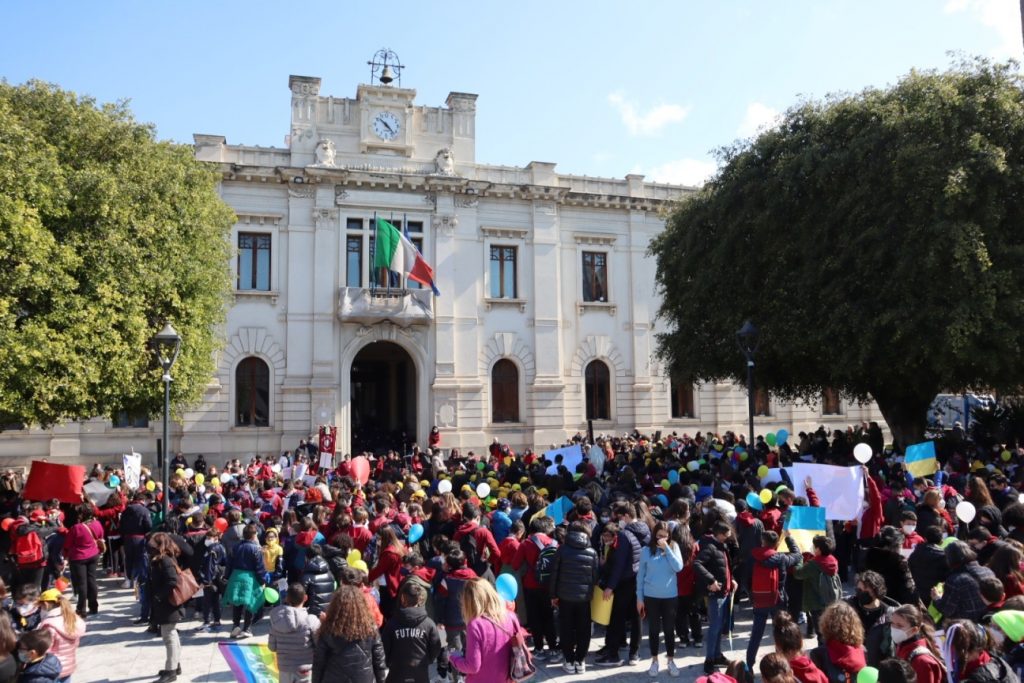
(503, 272)
(130, 420)
(682, 400)
(595, 276)
(253, 261)
(830, 404)
(762, 403)
(353, 260)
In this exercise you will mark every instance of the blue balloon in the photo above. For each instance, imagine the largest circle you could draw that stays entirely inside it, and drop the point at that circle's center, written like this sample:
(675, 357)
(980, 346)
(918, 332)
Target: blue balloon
(781, 436)
(507, 587)
(673, 476)
(415, 533)
(754, 502)
(663, 499)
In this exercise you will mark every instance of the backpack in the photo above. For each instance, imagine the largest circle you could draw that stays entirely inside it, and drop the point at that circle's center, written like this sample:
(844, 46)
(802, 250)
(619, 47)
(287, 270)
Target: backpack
(27, 549)
(830, 589)
(545, 560)
(520, 662)
(764, 586)
(471, 549)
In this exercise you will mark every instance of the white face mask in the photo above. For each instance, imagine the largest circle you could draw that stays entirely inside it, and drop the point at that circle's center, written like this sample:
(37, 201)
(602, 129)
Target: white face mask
(909, 528)
(997, 635)
(942, 503)
(211, 541)
(898, 635)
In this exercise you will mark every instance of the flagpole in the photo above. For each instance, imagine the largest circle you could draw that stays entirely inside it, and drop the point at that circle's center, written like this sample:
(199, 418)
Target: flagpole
(389, 269)
(405, 231)
(373, 267)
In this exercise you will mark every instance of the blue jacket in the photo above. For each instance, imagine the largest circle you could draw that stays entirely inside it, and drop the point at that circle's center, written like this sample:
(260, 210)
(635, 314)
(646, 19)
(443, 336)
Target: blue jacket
(500, 525)
(625, 558)
(247, 556)
(656, 577)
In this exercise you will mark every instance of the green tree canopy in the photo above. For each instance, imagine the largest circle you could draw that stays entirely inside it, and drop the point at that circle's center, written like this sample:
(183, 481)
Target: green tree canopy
(105, 233)
(876, 239)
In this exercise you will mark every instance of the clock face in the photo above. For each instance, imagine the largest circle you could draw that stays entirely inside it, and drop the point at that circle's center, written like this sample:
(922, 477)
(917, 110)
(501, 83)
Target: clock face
(386, 125)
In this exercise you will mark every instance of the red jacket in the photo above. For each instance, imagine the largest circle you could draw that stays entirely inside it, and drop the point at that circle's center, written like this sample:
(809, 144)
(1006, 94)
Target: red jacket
(508, 548)
(484, 539)
(361, 537)
(926, 667)
(806, 671)
(527, 555)
(772, 520)
(389, 565)
(871, 522)
(686, 580)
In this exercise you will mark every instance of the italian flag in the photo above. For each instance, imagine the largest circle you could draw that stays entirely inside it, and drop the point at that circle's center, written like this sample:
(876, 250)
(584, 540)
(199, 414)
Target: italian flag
(398, 254)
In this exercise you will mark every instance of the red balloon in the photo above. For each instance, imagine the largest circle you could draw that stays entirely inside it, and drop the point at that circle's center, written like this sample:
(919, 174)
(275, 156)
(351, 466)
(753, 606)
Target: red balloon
(220, 524)
(61, 584)
(360, 468)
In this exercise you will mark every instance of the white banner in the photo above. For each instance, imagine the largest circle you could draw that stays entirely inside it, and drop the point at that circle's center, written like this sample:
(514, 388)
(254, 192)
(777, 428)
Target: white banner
(571, 457)
(132, 465)
(840, 489)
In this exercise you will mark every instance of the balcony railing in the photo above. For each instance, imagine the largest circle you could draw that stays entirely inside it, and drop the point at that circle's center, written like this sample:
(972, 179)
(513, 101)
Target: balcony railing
(403, 307)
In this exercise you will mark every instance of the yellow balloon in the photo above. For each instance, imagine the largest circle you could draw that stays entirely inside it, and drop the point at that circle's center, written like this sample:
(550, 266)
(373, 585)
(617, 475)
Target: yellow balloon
(215, 482)
(353, 556)
(360, 565)
(150, 485)
(1005, 455)
(766, 496)
(762, 471)
(180, 472)
(200, 479)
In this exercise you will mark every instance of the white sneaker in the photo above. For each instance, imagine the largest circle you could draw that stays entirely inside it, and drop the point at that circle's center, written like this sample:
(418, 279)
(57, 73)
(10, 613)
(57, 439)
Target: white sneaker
(236, 631)
(245, 634)
(569, 668)
(126, 584)
(581, 667)
(440, 679)
(673, 670)
(653, 671)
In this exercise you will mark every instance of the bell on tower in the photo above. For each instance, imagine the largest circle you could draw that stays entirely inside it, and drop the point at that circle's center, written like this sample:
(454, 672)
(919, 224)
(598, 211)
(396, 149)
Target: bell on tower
(385, 68)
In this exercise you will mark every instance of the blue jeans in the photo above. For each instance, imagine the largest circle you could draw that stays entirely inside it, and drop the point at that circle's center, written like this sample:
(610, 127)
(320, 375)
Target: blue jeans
(761, 615)
(718, 612)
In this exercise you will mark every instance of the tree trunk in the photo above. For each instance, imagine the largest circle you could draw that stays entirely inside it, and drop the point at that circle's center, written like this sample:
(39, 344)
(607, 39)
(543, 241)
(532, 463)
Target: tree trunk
(906, 414)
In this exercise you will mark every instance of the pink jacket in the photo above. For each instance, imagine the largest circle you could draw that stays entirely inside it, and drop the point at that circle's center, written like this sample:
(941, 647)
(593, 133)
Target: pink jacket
(79, 544)
(488, 648)
(65, 645)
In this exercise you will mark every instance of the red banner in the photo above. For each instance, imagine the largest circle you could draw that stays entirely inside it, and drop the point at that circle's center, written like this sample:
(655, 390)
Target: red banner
(48, 480)
(327, 438)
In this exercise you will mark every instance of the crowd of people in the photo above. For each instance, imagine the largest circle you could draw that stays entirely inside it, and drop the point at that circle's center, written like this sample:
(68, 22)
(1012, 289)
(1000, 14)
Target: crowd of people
(374, 569)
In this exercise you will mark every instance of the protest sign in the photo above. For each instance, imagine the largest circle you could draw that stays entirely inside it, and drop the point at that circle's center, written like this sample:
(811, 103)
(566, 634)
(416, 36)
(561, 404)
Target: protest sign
(840, 489)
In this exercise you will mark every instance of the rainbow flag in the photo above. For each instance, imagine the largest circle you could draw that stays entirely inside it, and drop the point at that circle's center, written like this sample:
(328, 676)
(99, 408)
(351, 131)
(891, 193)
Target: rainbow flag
(250, 663)
(920, 459)
(803, 524)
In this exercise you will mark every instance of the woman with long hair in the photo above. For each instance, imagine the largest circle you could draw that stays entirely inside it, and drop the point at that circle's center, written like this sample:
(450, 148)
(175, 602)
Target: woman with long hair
(490, 627)
(82, 551)
(657, 591)
(842, 635)
(8, 646)
(775, 669)
(977, 493)
(932, 512)
(389, 567)
(789, 642)
(66, 628)
(1006, 563)
(973, 654)
(914, 639)
(163, 577)
(687, 612)
(348, 647)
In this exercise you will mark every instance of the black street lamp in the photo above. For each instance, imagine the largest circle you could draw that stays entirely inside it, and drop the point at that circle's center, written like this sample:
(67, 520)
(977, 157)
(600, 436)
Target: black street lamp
(166, 345)
(746, 337)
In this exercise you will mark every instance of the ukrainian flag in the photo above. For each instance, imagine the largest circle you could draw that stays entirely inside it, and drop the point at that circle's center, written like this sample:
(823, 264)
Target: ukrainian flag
(920, 459)
(558, 510)
(803, 524)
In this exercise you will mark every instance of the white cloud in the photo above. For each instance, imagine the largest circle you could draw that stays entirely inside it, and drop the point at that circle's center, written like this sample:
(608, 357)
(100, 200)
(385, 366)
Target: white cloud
(1001, 16)
(683, 172)
(759, 116)
(650, 122)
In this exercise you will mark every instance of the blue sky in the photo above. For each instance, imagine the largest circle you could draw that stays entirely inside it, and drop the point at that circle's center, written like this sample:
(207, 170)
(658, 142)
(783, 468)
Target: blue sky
(600, 88)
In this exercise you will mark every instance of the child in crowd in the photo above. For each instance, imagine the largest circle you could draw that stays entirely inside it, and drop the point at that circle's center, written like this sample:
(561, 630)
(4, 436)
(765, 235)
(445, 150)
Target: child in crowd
(25, 611)
(509, 545)
(66, 629)
(213, 577)
(317, 581)
(38, 665)
(292, 629)
(411, 638)
(448, 600)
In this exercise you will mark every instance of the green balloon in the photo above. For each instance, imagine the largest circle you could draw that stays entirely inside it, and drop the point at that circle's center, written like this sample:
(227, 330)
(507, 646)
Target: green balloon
(770, 438)
(868, 674)
(270, 595)
(481, 465)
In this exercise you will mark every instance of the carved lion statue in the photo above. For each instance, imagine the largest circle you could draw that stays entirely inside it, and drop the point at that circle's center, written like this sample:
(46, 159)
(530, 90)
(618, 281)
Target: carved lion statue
(444, 162)
(325, 153)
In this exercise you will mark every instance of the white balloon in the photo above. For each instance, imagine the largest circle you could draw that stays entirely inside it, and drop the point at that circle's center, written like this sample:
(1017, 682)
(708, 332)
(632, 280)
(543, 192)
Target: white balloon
(1020, 498)
(862, 452)
(276, 468)
(483, 490)
(965, 512)
(189, 473)
(445, 486)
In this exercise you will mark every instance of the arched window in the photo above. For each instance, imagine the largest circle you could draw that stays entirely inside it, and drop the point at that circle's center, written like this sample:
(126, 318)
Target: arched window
(505, 391)
(830, 404)
(252, 393)
(598, 391)
(762, 402)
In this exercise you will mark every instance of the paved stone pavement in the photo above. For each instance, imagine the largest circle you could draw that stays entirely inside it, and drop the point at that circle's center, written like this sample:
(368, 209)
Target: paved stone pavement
(115, 651)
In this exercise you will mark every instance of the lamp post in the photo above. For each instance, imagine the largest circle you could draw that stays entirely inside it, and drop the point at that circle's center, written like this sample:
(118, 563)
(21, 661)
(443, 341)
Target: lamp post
(746, 337)
(166, 345)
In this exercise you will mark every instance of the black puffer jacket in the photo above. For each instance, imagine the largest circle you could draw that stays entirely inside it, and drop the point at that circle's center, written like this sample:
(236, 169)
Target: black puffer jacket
(575, 569)
(711, 565)
(996, 670)
(894, 569)
(319, 585)
(928, 567)
(411, 642)
(336, 660)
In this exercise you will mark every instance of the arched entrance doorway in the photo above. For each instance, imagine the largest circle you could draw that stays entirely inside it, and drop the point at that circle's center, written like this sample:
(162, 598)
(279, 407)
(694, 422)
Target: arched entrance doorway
(383, 398)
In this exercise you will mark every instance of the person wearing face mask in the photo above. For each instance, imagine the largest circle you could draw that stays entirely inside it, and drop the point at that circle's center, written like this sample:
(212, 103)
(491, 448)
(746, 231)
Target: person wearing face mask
(908, 523)
(932, 512)
(989, 517)
(875, 610)
(886, 559)
(914, 640)
(212, 576)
